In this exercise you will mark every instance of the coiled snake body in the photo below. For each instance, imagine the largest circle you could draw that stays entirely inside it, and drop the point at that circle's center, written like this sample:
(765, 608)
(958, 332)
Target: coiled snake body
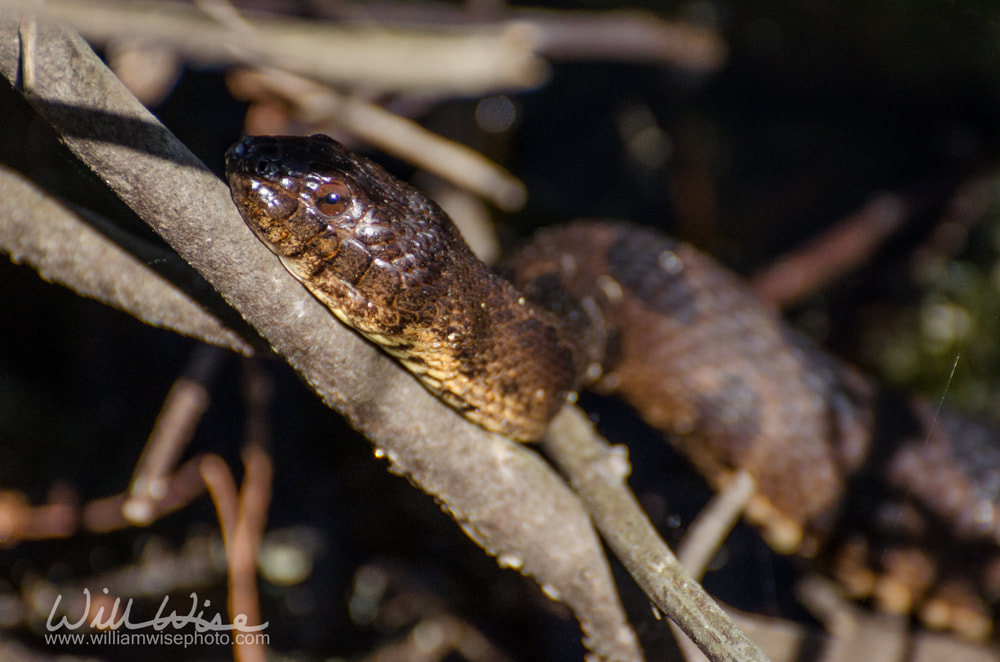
(900, 501)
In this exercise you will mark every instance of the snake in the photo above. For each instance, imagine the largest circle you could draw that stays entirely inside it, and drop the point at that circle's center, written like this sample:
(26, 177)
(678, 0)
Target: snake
(896, 498)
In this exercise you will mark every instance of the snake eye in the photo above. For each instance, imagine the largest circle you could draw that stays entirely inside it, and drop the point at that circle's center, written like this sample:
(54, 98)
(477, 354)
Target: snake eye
(332, 198)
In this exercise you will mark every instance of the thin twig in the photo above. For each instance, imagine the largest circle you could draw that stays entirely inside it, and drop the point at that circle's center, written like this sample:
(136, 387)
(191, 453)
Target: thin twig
(435, 638)
(178, 490)
(28, 33)
(414, 49)
(597, 472)
(241, 518)
(626, 37)
(474, 60)
(20, 521)
(63, 517)
(174, 428)
(319, 105)
(616, 36)
(713, 524)
(968, 205)
(255, 496)
(848, 244)
(827, 603)
(222, 488)
(258, 390)
(157, 572)
(704, 536)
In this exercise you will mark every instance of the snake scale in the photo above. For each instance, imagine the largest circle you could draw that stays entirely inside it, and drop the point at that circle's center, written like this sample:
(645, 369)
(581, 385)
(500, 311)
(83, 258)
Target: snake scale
(896, 499)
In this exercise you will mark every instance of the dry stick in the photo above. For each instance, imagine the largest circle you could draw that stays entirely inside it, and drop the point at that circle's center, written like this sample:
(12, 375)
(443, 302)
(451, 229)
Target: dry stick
(703, 537)
(597, 472)
(853, 240)
(843, 247)
(254, 500)
(827, 603)
(968, 205)
(421, 57)
(258, 389)
(242, 518)
(464, 167)
(222, 488)
(19, 520)
(713, 524)
(625, 37)
(174, 428)
(503, 495)
(617, 36)
(250, 524)
(77, 252)
(183, 408)
(471, 61)
(179, 489)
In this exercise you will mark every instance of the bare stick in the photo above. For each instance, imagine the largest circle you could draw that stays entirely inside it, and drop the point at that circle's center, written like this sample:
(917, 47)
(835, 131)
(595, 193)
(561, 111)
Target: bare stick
(222, 489)
(20, 521)
(714, 523)
(472, 61)
(178, 490)
(63, 517)
(255, 496)
(703, 537)
(464, 167)
(182, 411)
(619, 35)
(435, 638)
(597, 472)
(414, 50)
(242, 517)
(78, 253)
(626, 37)
(843, 247)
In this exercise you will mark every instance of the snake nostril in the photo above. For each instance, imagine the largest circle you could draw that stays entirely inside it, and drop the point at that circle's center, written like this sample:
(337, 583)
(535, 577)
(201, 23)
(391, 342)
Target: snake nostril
(266, 168)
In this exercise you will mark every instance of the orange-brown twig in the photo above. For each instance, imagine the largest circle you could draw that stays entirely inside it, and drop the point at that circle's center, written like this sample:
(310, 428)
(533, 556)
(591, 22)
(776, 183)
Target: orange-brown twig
(242, 517)
(848, 244)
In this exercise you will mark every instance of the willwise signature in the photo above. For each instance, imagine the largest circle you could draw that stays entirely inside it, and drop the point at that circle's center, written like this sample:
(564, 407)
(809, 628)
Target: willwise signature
(122, 618)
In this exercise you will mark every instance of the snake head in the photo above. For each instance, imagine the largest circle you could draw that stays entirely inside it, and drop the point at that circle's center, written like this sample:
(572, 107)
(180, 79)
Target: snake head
(296, 194)
(388, 262)
(322, 208)
(366, 244)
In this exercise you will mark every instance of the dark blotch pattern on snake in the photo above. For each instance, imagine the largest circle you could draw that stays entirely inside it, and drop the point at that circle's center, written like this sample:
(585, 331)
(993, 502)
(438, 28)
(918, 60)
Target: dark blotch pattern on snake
(898, 501)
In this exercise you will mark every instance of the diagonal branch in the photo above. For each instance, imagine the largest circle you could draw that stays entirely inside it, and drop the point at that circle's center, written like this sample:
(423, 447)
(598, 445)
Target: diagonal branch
(597, 472)
(66, 249)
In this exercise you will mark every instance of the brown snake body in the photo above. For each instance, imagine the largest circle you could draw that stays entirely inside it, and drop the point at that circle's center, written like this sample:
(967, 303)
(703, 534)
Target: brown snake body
(901, 501)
